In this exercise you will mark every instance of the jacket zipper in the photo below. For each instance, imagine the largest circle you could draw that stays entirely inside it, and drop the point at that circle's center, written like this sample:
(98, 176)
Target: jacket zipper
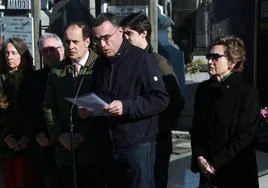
(110, 96)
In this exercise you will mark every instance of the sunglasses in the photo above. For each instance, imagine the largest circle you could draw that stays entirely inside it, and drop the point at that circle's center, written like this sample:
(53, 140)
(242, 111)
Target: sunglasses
(214, 56)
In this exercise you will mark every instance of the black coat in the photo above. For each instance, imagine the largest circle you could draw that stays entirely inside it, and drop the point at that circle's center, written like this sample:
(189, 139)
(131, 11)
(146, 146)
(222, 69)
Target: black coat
(168, 119)
(225, 120)
(133, 77)
(17, 87)
(36, 119)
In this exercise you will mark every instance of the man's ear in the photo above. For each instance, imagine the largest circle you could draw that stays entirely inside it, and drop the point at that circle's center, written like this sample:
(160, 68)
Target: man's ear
(144, 34)
(87, 42)
(121, 30)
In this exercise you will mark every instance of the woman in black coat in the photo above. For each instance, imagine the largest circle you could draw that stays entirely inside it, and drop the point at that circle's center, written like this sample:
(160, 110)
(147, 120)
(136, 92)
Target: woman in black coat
(225, 120)
(15, 90)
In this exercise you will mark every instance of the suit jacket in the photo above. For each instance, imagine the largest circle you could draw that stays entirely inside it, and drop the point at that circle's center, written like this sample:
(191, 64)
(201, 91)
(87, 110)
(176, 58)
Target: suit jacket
(225, 121)
(62, 84)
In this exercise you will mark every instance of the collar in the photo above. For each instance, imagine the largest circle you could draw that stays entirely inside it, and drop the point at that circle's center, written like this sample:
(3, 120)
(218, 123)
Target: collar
(83, 61)
(92, 58)
(149, 48)
(225, 77)
(235, 78)
(123, 48)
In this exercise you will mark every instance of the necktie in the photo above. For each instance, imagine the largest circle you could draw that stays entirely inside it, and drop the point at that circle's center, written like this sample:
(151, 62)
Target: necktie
(77, 68)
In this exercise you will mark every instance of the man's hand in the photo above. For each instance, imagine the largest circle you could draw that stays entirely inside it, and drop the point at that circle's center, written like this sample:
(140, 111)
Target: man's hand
(42, 140)
(12, 143)
(23, 142)
(115, 108)
(205, 167)
(65, 140)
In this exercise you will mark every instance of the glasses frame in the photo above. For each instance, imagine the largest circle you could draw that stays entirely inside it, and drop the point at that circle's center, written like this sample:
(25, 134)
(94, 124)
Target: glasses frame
(105, 38)
(214, 56)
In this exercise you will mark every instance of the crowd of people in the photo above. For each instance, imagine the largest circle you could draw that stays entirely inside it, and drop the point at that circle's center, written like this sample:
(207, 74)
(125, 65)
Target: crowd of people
(48, 142)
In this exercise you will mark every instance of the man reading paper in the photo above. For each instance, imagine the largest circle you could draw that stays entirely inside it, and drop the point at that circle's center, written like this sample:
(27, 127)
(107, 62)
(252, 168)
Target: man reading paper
(129, 79)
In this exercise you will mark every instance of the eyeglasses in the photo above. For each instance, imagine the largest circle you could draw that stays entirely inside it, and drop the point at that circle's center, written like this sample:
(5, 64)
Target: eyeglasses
(104, 38)
(50, 49)
(214, 56)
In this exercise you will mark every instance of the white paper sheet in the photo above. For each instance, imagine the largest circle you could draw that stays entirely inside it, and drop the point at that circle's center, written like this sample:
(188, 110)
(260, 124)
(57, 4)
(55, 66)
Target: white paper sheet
(91, 102)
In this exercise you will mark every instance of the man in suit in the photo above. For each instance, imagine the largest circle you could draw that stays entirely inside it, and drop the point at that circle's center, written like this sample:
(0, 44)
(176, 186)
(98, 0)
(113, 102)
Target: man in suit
(69, 78)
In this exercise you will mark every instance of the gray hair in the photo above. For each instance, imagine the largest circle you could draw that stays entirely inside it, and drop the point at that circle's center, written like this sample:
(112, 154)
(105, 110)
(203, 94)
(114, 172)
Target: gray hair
(47, 36)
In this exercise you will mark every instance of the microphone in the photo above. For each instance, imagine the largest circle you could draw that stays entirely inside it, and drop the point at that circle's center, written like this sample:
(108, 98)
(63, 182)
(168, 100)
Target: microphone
(75, 98)
(72, 133)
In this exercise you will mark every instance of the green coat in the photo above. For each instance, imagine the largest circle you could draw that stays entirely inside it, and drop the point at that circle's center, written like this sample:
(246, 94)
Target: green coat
(62, 84)
(168, 119)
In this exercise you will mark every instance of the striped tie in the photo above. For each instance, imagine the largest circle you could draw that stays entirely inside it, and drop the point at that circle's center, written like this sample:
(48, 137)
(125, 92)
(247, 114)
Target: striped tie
(77, 68)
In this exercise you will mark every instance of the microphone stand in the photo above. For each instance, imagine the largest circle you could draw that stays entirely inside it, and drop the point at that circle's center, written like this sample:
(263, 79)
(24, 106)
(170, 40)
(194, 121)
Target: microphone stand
(71, 126)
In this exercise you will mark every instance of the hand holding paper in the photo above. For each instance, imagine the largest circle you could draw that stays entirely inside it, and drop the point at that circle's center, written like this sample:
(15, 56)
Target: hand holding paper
(115, 108)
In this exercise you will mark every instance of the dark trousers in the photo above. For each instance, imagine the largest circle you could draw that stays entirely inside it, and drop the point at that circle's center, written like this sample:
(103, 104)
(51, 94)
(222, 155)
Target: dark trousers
(133, 168)
(163, 152)
(44, 161)
(87, 176)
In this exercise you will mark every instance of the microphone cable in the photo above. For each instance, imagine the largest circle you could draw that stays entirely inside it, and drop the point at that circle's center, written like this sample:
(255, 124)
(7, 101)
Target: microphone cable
(72, 134)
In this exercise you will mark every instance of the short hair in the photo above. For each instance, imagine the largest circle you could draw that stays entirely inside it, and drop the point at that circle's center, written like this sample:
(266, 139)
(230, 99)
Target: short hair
(86, 30)
(48, 36)
(107, 16)
(138, 22)
(235, 50)
(26, 62)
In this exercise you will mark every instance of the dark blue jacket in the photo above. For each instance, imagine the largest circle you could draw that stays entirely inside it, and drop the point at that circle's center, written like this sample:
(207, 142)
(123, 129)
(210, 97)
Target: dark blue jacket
(133, 77)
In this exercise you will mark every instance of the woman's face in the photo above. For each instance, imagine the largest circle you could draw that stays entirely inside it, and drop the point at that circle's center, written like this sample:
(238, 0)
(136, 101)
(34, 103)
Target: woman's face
(13, 58)
(218, 62)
